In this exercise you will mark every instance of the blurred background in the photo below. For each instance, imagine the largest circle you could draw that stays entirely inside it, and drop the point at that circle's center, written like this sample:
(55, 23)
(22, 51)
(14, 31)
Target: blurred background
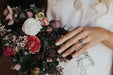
(24, 3)
(5, 67)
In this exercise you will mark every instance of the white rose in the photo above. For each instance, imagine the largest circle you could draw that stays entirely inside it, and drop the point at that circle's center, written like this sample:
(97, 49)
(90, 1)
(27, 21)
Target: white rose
(31, 26)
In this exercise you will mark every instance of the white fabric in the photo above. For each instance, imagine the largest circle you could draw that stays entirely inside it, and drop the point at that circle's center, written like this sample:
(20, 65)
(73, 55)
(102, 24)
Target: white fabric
(88, 16)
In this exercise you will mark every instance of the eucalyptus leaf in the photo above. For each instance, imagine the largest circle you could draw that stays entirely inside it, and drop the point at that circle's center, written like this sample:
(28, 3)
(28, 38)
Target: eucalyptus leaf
(41, 73)
(45, 45)
(22, 16)
(35, 10)
(25, 59)
(22, 70)
(54, 63)
(45, 65)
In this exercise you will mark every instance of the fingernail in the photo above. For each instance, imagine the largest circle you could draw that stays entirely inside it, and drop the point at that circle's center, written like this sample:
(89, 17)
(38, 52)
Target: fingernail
(57, 43)
(64, 55)
(59, 51)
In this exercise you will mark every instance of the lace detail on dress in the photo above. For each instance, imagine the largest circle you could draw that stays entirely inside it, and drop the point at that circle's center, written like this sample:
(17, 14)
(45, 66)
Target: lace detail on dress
(81, 62)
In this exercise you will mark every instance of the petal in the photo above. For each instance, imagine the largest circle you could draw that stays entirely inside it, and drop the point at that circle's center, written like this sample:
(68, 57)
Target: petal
(11, 22)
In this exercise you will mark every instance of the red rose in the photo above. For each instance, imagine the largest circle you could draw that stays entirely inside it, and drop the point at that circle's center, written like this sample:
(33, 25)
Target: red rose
(8, 51)
(33, 43)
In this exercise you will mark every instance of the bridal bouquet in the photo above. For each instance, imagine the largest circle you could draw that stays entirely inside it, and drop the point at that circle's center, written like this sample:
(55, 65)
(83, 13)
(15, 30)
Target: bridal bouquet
(29, 39)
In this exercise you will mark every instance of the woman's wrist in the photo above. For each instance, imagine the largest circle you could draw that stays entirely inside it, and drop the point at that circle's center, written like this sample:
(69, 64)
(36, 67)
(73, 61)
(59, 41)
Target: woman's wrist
(107, 35)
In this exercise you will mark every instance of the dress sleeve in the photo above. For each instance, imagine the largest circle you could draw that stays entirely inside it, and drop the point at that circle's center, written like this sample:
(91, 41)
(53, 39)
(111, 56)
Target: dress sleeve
(106, 20)
(49, 13)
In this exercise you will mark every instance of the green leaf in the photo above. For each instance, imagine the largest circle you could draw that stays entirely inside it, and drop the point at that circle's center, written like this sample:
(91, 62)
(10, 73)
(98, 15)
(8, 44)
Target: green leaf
(45, 65)
(54, 63)
(45, 45)
(22, 16)
(26, 59)
(22, 70)
(29, 73)
(36, 10)
(41, 73)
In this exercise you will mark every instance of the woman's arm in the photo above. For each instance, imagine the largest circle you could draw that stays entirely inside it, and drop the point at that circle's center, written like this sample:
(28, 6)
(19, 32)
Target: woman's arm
(83, 38)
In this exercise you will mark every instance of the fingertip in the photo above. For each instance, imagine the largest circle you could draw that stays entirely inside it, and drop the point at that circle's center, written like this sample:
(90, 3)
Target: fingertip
(7, 5)
(57, 43)
(64, 55)
(59, 51)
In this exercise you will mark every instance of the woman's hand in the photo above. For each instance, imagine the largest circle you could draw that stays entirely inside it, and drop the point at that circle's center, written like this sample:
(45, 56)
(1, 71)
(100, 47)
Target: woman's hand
(81, 36)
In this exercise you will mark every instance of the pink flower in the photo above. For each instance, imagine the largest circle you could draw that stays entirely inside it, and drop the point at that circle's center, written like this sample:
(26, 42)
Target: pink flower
(10, 16)
(29, 14)
(8, 51)
(16, 67)
(55, 24)
(33, 43)
(42, 22)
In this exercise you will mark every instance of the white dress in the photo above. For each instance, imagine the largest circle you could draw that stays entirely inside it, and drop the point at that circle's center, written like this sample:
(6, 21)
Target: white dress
(87, 13)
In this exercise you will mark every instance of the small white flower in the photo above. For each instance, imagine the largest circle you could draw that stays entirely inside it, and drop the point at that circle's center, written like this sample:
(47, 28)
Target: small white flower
(25, 53)
(18, 44)
(9, 30)
(22, 44)
(6, 37)
(31, 26)
(49, 60)
(25, 37)
(2, 28)
(16, 49)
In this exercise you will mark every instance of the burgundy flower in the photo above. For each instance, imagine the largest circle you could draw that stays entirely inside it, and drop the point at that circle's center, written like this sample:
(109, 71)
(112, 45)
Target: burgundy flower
(8, 51)
(55, 24)
(49, 29)
(69, 57)
(33, 43)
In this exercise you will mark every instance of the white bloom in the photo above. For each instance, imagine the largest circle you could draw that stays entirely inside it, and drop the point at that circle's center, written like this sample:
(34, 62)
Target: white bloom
(31, 26)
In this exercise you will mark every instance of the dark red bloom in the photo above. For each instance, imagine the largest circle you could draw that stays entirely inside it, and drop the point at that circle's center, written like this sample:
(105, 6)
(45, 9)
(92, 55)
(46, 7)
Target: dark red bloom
(33, 43)
(69, 57)
(8, 51)
(55, 24)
